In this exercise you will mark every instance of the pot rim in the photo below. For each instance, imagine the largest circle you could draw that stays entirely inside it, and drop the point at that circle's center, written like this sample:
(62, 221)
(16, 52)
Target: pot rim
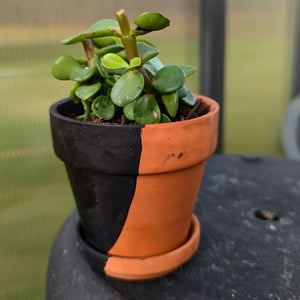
(214, 107)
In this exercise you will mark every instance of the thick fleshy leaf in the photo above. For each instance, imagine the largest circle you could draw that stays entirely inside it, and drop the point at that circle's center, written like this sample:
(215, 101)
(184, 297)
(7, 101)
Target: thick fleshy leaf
(84, 92)
(153, 65)
(146, 52)
(135, 62)
(156, 62)
(128, 88)
(104, 41)
(103, 108)
(83, 74)
(138, 31)
(102, 28)
(100, 67)
(104, 24)
(151, 21)
(145, 41)
(128, 110)
(72, 92)
(168, 79)
(151, 71)
(82, 60)
(171, 103)
(113, 72)
(64, 66)
(123, 54)
(73, 39)
(91, 35)
(113, 61)
(146, 110)
(189, 99)
(182, 92)
(188, 70)
(109, 49)
(165, 119)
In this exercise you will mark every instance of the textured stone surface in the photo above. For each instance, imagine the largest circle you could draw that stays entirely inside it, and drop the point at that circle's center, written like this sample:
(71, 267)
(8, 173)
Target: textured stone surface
(241, 255)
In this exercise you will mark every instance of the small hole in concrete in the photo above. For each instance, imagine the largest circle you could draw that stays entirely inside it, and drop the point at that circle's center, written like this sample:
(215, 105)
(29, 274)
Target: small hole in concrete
(266, 215)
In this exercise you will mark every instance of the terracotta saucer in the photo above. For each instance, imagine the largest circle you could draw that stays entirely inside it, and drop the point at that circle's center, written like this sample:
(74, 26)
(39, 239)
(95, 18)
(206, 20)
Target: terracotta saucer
(141, 268)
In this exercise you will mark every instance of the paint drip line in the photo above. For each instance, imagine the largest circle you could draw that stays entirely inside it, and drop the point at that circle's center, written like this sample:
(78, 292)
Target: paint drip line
(24, 152)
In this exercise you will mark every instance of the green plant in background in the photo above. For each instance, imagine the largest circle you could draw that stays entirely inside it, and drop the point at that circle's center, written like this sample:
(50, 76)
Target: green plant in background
(121, 74)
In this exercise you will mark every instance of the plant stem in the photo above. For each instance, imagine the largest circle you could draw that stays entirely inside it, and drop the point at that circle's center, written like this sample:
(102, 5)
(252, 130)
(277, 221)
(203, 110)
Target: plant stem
(87, 110)
(89, 51)
(129, 42)
(123, 22)
(128, 38)
(147, 79)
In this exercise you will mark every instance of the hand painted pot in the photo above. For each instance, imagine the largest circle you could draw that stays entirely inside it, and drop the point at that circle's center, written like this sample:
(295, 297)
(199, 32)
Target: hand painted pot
(135, 186)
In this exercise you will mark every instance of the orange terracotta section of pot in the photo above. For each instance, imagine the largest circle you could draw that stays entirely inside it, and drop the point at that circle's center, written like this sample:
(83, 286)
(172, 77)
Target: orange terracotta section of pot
(172, 146)
(170, 172)
(160, 214)
(154, 266)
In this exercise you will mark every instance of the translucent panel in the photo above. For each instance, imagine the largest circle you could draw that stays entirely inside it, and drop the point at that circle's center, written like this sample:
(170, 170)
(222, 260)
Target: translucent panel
(257, 75)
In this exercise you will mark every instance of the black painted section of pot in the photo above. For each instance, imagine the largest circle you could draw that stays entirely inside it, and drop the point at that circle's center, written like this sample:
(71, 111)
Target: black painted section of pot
(95, 259)
(106, 148)
(103, 201)
(102, 161)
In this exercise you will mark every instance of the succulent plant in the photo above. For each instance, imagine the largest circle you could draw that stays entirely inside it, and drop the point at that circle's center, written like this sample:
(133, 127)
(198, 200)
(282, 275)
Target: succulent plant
(121, 73)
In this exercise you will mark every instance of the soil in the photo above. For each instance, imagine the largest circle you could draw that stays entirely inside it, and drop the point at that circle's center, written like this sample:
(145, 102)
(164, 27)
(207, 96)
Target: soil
(184, 113)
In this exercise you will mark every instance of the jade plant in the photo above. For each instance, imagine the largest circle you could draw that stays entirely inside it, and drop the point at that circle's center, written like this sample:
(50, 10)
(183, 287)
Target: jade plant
(121, 73)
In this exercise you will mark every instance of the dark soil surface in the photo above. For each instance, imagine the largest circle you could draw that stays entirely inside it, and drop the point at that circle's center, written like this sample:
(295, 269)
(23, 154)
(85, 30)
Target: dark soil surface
(184, 113)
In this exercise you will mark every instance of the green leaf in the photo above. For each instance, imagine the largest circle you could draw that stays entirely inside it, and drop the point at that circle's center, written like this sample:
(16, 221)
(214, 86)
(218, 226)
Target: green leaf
(182, 92)
(73, 39)
(168, 79)
(102, 28)
(64, 66)
(151, 21)
(97, 33)
(138, 31)
(189, 99)
(104, 24)
(188, 70)
(109, 49)
(128, 88)
(171, 103)
(128, 110)
(83, 74)
(135, 62)
(72, 92)
(103, 108)
(152, 66)
(82, 60)
(146, 52)
(146, 110)
(123, 54)
(165, 119)
(100, 67)
(151, 71)
(104, 41)
(145, 41)
(156, 62)
(113, 61)
(84, 92)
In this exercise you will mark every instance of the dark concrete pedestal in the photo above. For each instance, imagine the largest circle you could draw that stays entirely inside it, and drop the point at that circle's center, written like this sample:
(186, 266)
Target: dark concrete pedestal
(248, 208)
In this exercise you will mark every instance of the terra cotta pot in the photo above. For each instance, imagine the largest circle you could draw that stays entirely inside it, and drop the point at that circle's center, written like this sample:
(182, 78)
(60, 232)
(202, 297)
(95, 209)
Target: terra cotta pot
(135, 186)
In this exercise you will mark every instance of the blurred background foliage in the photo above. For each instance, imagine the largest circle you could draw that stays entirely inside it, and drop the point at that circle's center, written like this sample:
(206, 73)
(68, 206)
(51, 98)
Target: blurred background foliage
(35, 196)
